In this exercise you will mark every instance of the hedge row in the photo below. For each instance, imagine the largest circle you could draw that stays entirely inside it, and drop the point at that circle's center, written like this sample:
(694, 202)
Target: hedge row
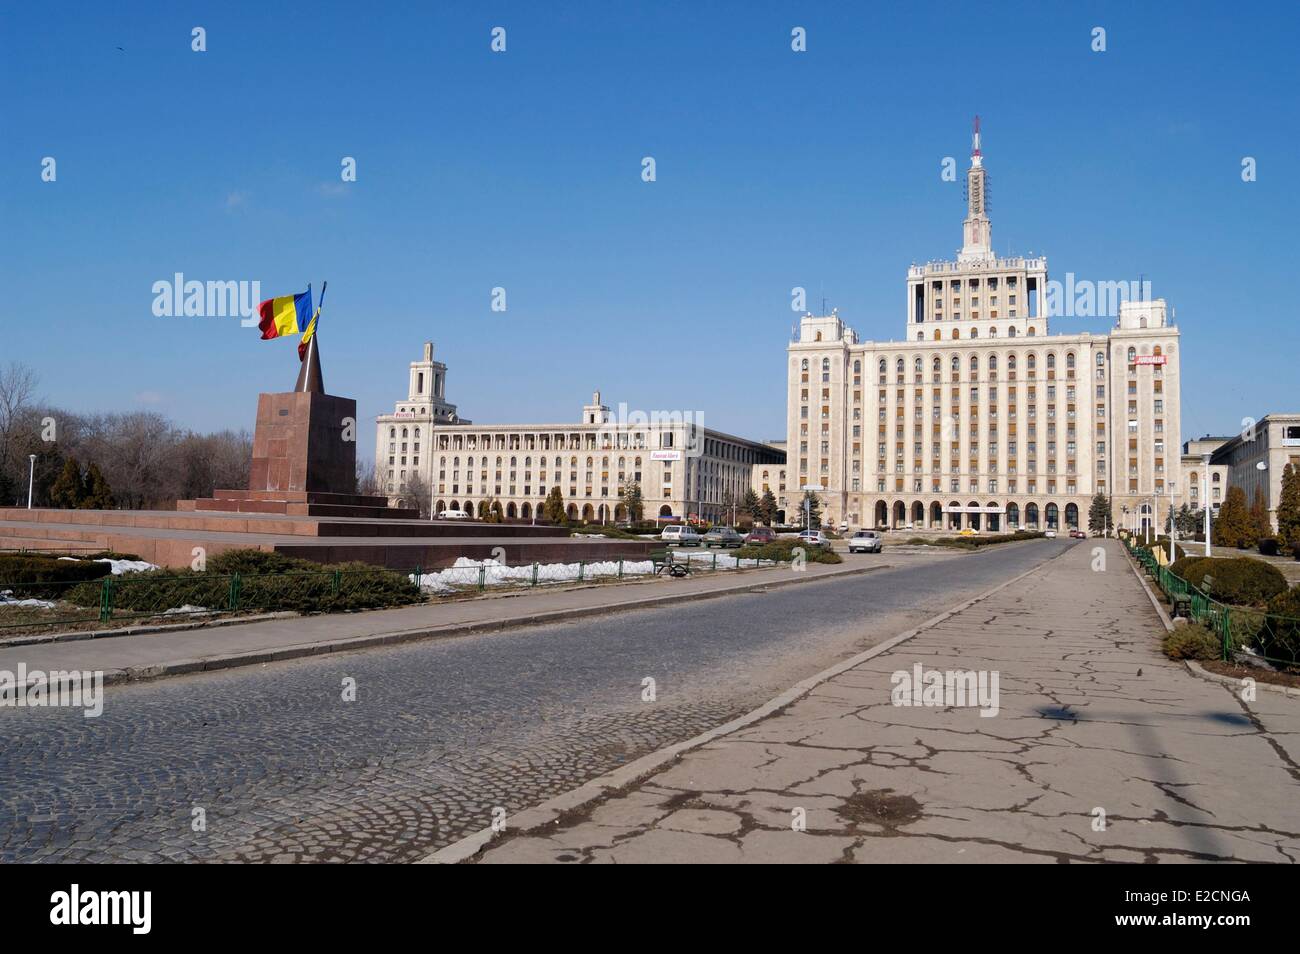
(782, 550)
(1238, 581)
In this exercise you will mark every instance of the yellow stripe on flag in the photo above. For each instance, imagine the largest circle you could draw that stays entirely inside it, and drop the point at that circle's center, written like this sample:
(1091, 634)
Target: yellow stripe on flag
(286, 316)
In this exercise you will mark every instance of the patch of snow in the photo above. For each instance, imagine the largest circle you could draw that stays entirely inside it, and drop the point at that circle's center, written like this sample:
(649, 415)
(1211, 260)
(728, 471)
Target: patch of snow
(7, 598)
(464, 573)
(118, 567)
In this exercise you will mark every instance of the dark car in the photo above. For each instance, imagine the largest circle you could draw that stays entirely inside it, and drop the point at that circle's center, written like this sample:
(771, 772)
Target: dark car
(722, 537)
(760, 535)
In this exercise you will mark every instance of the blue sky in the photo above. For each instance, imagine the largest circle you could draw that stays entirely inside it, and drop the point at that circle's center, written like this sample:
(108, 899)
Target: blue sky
(522, 170)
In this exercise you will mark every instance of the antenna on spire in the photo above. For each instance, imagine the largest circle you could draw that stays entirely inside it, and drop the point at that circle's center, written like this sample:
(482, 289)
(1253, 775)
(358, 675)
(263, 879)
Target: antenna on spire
(975, 139)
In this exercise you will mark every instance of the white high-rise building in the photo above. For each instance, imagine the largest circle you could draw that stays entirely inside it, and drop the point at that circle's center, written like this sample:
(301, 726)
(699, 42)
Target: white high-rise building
(980, 417)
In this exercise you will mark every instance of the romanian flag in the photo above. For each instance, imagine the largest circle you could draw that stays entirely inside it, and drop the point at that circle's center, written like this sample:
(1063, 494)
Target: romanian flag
(307, 336)
(284, 316)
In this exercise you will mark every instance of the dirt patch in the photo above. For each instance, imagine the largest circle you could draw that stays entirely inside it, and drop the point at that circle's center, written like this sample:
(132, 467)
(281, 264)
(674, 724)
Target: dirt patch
(880, 807)
(1221, 668)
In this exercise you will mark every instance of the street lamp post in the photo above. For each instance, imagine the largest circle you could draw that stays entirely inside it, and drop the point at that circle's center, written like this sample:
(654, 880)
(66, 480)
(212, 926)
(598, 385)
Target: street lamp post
(1173, 521)
(31, 478)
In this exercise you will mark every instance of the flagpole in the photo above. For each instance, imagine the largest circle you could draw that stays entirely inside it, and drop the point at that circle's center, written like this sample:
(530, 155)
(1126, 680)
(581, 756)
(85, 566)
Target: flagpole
(321, 304)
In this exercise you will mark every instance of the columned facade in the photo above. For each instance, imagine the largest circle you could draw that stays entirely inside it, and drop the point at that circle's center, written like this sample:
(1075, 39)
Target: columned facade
(980, 417)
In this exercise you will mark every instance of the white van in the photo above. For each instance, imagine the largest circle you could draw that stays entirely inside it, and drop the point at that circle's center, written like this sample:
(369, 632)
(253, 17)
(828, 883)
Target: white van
(680, 535)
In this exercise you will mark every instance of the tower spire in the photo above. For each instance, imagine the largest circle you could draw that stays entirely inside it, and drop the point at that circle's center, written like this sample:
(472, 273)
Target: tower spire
(977, 231)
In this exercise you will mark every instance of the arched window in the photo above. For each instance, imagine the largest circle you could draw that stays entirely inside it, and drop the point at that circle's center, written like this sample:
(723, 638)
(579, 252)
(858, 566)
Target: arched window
(417, 433)
(974, 364)
(826, 364)
(469, 462)
(1156, 350)
(956, 363)
(916, 363)
(974, 332)
(1031, 331)
(1069, 361)
(1132, 355)
(898, 365)
(920, 336)
(392, 432)
(404, 434)
(937, 334)
(993, 362)
(1051, 361)
(1011, 332)
(1032, 361)
(803, 365)
(1011, 362)
(935, 364)
(956, 333)
(857, 367)
(1101, 359)
(883, 367)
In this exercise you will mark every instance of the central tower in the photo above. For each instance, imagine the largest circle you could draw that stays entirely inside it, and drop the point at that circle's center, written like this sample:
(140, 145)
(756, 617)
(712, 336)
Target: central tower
(977, 231)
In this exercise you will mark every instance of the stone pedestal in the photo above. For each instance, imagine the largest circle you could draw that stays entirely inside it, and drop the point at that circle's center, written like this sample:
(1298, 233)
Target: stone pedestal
(298, 444)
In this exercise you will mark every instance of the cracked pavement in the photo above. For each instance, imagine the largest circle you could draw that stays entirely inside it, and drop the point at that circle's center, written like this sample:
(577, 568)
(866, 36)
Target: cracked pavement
(1094, 725)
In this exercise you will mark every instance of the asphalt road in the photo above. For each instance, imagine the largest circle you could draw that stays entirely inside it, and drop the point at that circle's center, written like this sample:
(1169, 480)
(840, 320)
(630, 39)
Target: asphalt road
(277, 766)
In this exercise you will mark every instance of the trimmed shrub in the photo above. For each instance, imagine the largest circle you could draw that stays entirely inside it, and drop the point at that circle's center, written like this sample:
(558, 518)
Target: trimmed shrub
(304, 587)
(1192, 641)
(975, 542)
(1279, 636)
(783, 551)
(1239, 581)
(1181, 567)
(253, 561)
(36, 576)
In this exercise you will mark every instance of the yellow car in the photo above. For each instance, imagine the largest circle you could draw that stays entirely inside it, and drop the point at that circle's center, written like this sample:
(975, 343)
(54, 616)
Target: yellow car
(968, 532)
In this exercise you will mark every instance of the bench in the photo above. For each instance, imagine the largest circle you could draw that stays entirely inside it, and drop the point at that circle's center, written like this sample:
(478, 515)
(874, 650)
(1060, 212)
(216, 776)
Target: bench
(662, 561)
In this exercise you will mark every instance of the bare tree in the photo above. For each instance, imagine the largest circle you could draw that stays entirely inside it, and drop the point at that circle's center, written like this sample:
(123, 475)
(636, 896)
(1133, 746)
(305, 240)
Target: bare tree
(17, 389)
(367, 479)
(415, 494)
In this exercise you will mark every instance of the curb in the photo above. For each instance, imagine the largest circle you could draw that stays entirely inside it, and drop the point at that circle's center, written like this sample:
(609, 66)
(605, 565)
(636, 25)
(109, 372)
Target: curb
(553, 809)
(76, 636)
(182, 667)
(1198, 670)
(1164, 617)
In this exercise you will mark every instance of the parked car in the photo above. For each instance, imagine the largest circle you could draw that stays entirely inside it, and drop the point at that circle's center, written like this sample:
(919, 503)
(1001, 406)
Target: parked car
(1077, 534)
(844, 526)
(814, 538)
(760, 535)
(680, 535)
(865, 541)
(969, 532)
(1049, 534)
(723, 537)
(453, 515)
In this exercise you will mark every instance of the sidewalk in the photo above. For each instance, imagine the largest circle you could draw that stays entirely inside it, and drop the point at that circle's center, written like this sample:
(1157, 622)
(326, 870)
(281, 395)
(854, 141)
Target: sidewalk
(1102, 750)
(150, 655)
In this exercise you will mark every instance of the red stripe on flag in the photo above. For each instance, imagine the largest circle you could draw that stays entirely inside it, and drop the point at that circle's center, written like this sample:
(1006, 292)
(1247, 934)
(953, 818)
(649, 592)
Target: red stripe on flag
(267, 310)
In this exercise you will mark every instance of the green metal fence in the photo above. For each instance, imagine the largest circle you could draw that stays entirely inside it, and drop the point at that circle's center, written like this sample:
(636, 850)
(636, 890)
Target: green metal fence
(130, 597)
(1272, 637)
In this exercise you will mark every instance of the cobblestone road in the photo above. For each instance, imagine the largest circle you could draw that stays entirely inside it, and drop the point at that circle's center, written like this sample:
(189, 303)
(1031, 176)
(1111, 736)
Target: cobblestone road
(440, 733)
